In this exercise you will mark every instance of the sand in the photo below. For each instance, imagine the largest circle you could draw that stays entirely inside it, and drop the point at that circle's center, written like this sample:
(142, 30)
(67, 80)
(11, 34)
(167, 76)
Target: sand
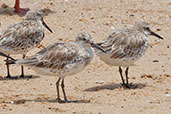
(97, 89)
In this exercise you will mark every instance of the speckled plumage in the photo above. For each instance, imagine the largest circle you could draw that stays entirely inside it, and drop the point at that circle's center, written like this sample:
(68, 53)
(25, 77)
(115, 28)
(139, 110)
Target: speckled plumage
(62, 59)
(23, 36)
(59, 59)
(126, 46)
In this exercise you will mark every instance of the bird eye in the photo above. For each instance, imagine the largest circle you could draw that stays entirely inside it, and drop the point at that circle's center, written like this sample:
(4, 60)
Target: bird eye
(147, 28)
(84, 39)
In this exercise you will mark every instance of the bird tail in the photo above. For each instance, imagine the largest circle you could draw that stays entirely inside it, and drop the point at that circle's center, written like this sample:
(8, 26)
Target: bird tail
(11, 61)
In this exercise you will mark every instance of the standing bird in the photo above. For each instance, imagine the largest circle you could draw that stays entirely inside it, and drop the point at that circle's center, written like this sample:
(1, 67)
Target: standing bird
(23, 36)
(19, 10)
(126, 46)
(61, 59)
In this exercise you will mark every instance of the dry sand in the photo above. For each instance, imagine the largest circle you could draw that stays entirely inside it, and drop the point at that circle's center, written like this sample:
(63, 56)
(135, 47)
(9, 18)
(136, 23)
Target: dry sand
(97, 89)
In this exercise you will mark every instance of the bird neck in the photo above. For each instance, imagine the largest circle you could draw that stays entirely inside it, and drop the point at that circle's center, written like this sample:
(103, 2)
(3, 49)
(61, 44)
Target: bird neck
(87, 47)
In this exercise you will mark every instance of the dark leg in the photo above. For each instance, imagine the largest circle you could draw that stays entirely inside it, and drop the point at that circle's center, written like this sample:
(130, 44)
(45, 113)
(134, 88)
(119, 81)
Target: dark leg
(22, 68)
(120, 71)
(129, 85)
(126, 73)
(123, 82)
(8, 72)
(62, 85)
(19, 10)
(57, 88)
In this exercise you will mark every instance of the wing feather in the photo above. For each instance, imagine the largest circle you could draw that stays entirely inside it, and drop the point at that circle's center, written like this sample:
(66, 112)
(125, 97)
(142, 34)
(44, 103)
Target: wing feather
(20, 35)
(55, 56)
(123, 43)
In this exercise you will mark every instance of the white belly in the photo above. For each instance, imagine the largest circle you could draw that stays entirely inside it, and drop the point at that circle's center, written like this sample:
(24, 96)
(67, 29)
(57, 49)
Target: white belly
(69, 69)
(116, 62)
(125, 61)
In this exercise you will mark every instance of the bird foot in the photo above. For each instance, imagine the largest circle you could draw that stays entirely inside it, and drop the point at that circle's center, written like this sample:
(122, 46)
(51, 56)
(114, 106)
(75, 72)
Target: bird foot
(10, 77)
(129, 86)
(61, 101)
(125, 86)
(21, 11)
(23, 76)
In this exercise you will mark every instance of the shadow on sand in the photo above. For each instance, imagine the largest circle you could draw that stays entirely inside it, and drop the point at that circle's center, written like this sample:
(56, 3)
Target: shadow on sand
(22, 101)
(115, 86)
(19, 78)
(6, 10)
(55, 101)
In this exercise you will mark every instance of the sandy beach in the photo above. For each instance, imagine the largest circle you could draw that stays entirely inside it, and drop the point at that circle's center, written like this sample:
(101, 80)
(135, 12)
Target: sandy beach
(97, 89)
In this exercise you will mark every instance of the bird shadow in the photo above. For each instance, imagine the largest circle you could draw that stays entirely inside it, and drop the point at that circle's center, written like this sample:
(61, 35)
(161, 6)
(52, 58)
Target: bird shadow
(115, 86)
(22, 101)
(19, 78)
(6, 10)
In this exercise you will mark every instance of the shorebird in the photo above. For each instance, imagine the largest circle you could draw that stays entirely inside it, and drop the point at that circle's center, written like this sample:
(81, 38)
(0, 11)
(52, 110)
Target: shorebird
(126, 46)
(19, 10)
(23, 36)
(61, 59)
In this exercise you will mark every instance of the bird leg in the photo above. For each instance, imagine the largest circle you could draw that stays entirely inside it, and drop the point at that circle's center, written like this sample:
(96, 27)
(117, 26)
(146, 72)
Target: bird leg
(8, 72)
(120, 71)
(126, 73)
(57, 88)
(19, 10)
(129, 85)
(63, 86)
(123, 82)
(22, 68)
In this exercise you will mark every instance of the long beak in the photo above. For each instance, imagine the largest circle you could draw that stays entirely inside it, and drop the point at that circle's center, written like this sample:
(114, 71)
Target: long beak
(98, 47)
(156, 35)
(46, 26)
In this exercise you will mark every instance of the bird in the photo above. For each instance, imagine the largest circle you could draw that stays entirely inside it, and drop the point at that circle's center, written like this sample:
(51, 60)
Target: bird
(19, 10)
(125, 46)
(23, 36)
(61, 59)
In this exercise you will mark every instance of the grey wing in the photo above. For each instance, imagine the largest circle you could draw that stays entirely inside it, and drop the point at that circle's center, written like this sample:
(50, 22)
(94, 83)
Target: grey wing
(127, 46)
(52, 46)
(8, 34)
(108, 43)
(122, 44)
(27, 62)
(21, 35)
(55, 56)
(34, 60)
